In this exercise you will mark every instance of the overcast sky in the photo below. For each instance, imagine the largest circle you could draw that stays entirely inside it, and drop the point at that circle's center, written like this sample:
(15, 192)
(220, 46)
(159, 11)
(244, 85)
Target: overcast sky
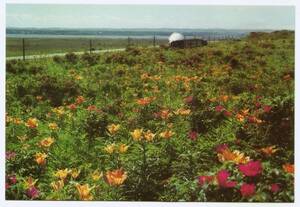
(150, 16)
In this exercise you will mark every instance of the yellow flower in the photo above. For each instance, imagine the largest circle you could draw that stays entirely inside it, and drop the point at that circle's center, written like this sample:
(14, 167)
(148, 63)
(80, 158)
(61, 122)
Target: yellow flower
(39, 98)
(145, 76)
(214, 99)
(156, 77)
(25, 146)
(245, 112)
(167, 134)
(145, 101)
(164, 114)
(269, 150)
(78, 77)
(149, 136)
(53, 126)
(59, 111)
(47, 142)
(288, 168)
(137, 134)
(62, 174)
(224, 98)
(75, 173)
(123, 148)
(30, 182)
(116, 177)
(110, 148)
(113, 128)
(240, 157)
(236, 156)
(240, 117)
(84, 192)
(40, 158)
(96, 175)
(57, 185)
(31, 123)
(235, 97)
(182, 111)
(17, 121)
(22, 138)
(80, 99)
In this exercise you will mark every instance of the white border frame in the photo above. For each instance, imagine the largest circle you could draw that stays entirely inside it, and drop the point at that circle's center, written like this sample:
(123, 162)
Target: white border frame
(6, 203)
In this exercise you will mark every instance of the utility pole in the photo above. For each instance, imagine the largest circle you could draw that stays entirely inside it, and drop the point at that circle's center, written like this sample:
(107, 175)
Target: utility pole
(90, 46)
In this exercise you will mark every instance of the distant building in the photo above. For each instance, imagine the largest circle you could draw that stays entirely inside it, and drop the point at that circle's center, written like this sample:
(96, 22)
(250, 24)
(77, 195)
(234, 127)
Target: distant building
(177, 40)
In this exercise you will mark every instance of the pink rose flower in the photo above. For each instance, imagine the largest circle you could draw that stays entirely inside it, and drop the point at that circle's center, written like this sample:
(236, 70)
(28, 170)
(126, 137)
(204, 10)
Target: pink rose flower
(193, 135)
(222, 178)
(251, 168)
(219, 108)
(275, 187)
(32, 192)
(247, 190)
(204, 179)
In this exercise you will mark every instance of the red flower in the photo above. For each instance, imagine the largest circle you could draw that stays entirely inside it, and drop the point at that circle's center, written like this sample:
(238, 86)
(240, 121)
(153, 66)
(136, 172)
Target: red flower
(32, 192)
(219, 108)
(205, 179)
(258, 104)
(72, 106)
(10, 155)
(189, 99)
(267, 109)
(12, 179)
(251, 119)
(221, 147)
(227, 113)
(193, 135)
(7, 186)
(222, 178)
(275, 187)
(251, 169)
(80, 99)
(247, 190)
(93, 108)
(258, 97)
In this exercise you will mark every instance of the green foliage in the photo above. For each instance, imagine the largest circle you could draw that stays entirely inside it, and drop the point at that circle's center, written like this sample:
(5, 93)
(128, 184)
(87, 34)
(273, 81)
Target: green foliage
(83, 113)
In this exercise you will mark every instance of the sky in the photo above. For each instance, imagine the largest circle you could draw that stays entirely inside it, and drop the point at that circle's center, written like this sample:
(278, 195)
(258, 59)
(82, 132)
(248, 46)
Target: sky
(150, 16)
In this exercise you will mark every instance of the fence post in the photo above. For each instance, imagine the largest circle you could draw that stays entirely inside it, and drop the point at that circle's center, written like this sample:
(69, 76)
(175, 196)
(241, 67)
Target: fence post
(23, 44)
(90, 46)
(128, 42)
(154, 41)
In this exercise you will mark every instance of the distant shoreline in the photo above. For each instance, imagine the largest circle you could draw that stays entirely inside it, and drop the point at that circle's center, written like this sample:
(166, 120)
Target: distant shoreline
(84, 36)
(123, 33)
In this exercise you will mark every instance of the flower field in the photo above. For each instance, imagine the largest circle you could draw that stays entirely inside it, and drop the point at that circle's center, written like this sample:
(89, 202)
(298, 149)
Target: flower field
(214, 123)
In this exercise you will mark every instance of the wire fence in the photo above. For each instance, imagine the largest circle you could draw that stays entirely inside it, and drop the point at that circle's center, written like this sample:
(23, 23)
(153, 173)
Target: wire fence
(16, 47)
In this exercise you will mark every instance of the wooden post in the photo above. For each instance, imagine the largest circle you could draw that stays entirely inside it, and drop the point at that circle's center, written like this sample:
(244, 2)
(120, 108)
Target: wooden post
(128, 42)
(23, 43)
(90, 46)
(154, 41)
